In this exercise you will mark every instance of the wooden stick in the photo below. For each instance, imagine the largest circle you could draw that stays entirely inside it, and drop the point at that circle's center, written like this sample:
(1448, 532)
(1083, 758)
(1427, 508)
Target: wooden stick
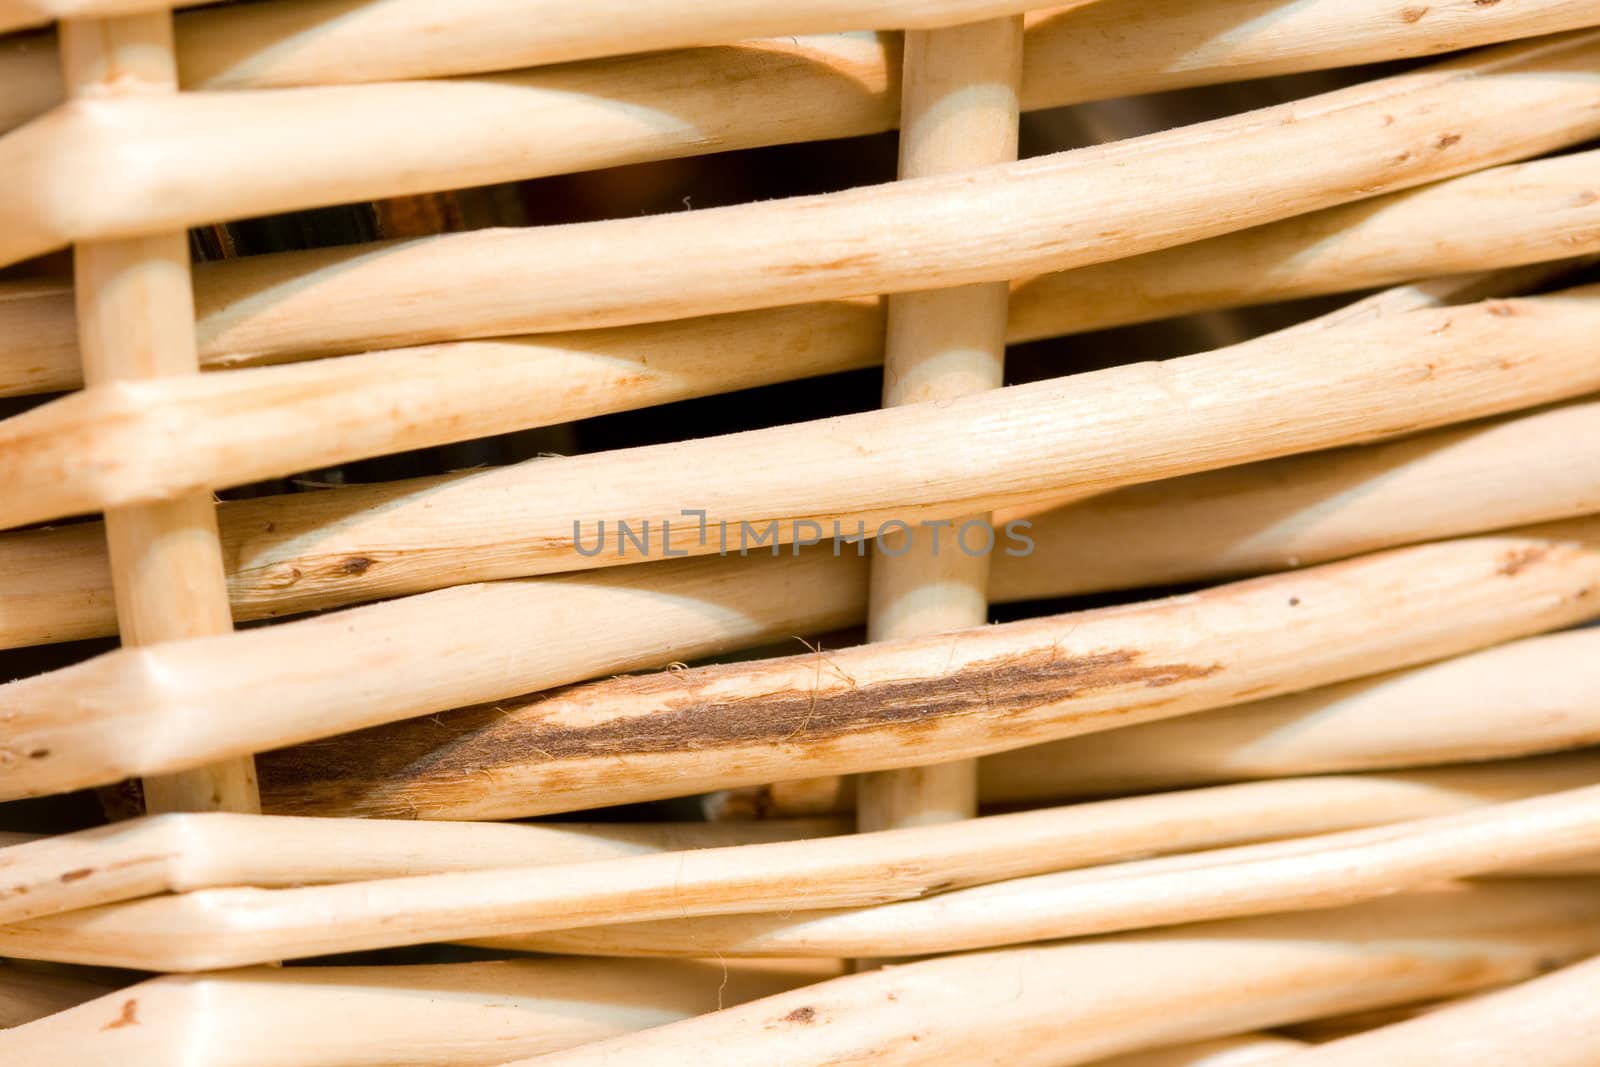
(1077, 52)
(1537, 695)
(1081, 435)
(176, 852)
(130, 708)
(1535, 466)
(1219, 1052)
(136, 320)
(183, 853)
(1522, 212)
(1304, 873)
(137, 441)
(450, 1015)
(958, 111)
(338, 144)
(727, 900)
(1553, 1020)
(882, 706)
(1529, 696)
(1070, 1003)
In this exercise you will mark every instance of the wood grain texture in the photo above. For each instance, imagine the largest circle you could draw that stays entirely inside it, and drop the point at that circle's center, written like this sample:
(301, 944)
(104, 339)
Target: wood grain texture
(934, 699)
(429, 1015)
(72, 182)
(135, 315)
(1072, 1002)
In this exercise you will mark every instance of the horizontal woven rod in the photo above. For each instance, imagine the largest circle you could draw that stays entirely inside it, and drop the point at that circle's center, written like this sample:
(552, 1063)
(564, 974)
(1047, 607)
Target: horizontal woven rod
(124, 167)
(130, 442)
(1293, 875)
(439, 1015)
(500, 33)
(164, 707)
(934, 699)
(1063, 1004)
(1065, 437)
(706, 897)
(1170, 41)
(176, 854)
(1218, 1052)
(1312, 508)
(1522, 213)
(1553, 1021)
(1536, 695)
(179, 852)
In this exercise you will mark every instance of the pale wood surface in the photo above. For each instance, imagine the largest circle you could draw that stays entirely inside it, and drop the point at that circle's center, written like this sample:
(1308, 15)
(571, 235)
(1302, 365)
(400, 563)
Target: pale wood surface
(914, 701)
(441, 1015)
(1539, 694)
(1522, 213)
(1553, 1021)
(1533, 466)
(181, 852)
(335, 145)
(1065, 437)
(1069, 1003)
(1299, 874)
(175, 853)
(1219, 1052)
(135, 314)
(1077, 52)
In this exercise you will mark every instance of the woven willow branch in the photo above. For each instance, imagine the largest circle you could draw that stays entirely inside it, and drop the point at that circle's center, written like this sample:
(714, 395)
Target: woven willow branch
(183, 853)
(180, 852)
(1064, 437)
(1299, 874)
(1220, 1052)
(71, 181)
(1522, 213)
(1551, 1020)
(1536, 695)
(448, 1015)
(1069, 1003)
(1537, 466)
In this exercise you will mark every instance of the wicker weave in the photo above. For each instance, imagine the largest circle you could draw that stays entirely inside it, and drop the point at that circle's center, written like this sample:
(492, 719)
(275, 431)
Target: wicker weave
(1260, 597)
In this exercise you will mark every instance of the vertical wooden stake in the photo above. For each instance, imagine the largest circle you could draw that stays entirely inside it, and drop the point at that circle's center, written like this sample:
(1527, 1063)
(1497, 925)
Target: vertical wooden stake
(958, 111)
(136, 320)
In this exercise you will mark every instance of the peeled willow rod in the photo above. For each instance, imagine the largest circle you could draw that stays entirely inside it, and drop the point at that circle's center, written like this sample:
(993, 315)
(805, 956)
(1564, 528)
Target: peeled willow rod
(1551, 1020)
(135, 315)
(1138, 47)
(174, 853)
(1311, 508)
(1063, 437)
(142, 440)
(1539, 694)
(438, 1015)
(332, 145)
(958, 111)
(894, 704)
(145, 710)
(1521, 213)
(1069, 1003)
(1291, 875)
(1219, 1052)
(185, 853)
